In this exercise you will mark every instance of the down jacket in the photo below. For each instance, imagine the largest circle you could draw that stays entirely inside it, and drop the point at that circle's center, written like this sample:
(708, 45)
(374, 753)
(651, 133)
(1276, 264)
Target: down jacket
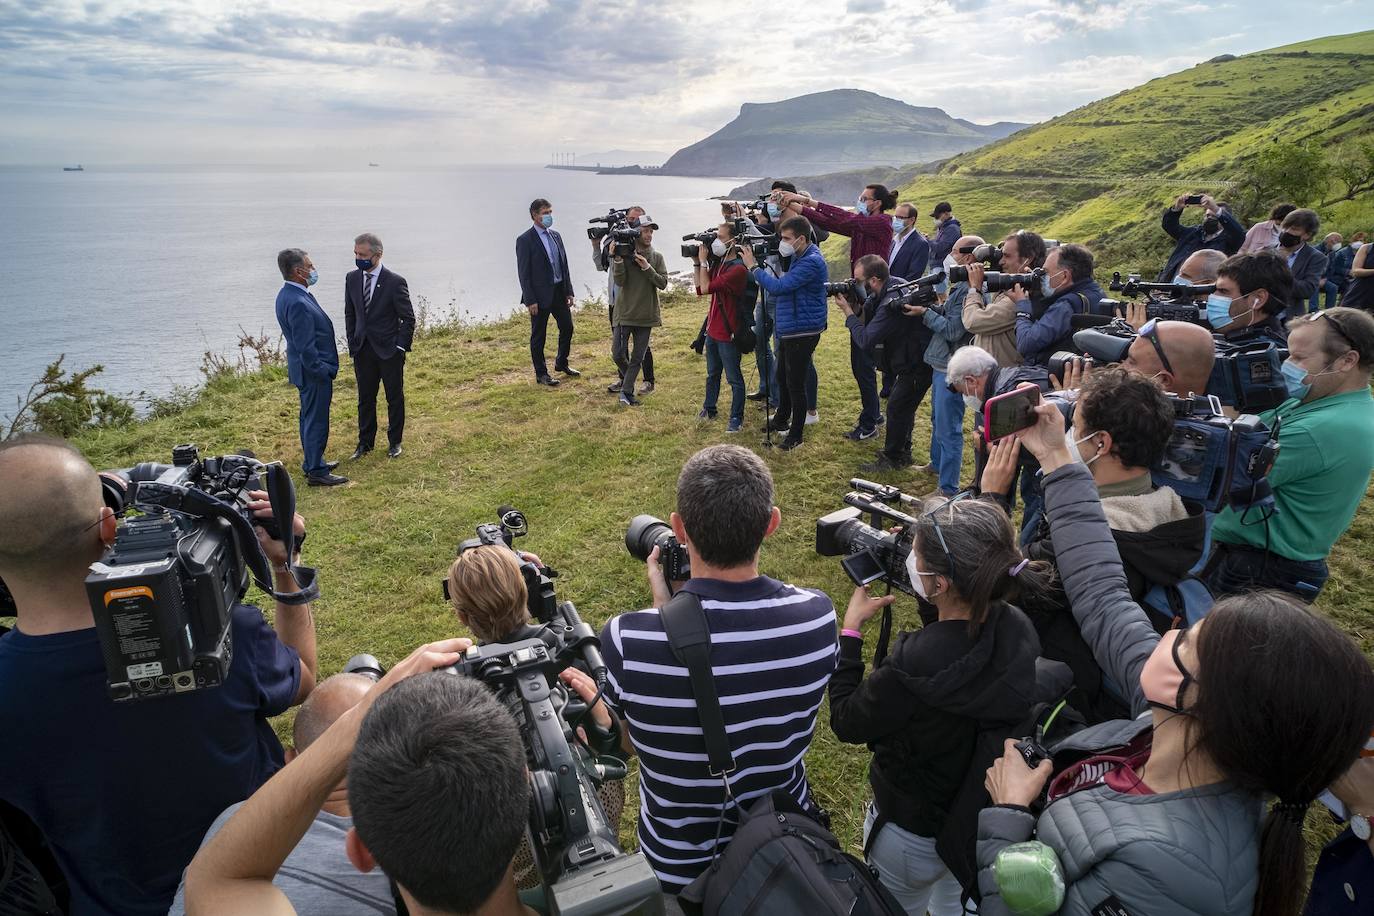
(1189, 853)
(799, 293)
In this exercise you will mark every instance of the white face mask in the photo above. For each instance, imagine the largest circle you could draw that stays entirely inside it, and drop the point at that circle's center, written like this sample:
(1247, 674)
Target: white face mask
(972, 403)
(786, 250)
(718, 248)
(1073, 444)
(918, 579)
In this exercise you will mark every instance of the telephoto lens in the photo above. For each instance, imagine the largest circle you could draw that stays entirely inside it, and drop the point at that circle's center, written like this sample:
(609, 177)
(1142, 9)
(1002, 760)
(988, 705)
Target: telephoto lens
(645, 533)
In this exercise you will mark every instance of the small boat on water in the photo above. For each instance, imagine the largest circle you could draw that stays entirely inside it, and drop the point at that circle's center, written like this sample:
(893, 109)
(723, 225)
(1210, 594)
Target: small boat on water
(372, 165)
(72, 168)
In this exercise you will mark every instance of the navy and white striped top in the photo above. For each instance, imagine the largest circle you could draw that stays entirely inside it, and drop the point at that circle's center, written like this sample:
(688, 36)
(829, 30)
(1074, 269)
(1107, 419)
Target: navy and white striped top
(773, 649)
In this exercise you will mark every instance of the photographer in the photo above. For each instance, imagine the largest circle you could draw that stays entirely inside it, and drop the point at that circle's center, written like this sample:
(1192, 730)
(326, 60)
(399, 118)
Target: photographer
(601, 260)
(1232, 722)
(84, 768)
(993, 323)
(1326, 453)
(946, 326)
(438, 788)
(903, 339)
(1121, 426)
(766, 353)
(1218, 229)
(772, 651)
(938, 707)
(801, 318)
(868, 228)
(720, 273)
(1305, 262)
(1043, 320)
(1252, 292)
(637, 310)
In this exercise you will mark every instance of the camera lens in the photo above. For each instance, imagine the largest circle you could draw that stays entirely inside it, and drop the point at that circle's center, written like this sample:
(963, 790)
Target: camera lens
(644, 533)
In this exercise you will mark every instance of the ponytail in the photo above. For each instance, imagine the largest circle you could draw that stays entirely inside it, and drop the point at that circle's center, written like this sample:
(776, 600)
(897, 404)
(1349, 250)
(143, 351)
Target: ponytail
(886, 199)
(1282, 862)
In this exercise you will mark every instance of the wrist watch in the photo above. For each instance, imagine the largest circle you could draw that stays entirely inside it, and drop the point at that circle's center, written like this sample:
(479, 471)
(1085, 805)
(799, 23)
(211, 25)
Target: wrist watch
(1360, 825)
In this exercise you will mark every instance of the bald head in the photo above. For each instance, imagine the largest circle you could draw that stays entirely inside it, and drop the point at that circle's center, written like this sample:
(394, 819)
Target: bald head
(326, 703)
(49, 504)
(1200, 268)
(960, 257)
(1189, 349)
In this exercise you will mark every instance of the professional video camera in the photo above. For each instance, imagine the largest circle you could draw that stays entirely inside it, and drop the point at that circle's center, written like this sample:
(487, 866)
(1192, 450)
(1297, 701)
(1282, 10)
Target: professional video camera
(617, 226)
(645, 533)
(694, 242)
(871, 552)
(1246, 376)
(163, 594)
(998, 282)
(581, 864)
(1164, 301)
(920, 291)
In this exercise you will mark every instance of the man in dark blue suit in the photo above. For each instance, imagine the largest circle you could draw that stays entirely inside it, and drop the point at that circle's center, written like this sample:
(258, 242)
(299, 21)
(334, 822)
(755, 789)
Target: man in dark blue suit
(380, 326)
(312, 361)
(545, 289)
(910, 250)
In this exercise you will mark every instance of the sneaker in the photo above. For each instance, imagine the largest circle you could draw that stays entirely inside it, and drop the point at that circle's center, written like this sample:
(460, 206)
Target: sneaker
(789, 443)
(928, 469)
(858, 434)
(613, 389)
(756, 395)
(812, 417)
(881, 420)
(735, 426)
(628, 400)
(705, 414)
(777, 425)
(646, 388)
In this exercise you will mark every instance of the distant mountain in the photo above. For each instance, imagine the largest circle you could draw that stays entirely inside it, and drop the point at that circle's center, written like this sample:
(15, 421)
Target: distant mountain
(830, 131)
(617, 158)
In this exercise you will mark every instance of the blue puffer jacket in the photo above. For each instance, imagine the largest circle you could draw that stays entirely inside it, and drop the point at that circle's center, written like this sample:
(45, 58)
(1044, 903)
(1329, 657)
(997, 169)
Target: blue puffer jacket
(800, 293)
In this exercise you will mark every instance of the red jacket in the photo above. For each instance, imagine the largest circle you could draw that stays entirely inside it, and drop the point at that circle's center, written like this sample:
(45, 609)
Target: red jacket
(867, 234)
(727, 284)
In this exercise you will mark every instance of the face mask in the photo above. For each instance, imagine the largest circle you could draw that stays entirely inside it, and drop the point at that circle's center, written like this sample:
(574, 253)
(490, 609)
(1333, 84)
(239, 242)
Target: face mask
(1289, 240)
(313, 278)
(1163, 679)
(862, 206)
(773, 211)
(1180, 280)
(546, 220)
(1210, 225)
(786, 250)
(898, 225)
(1073, 444)
(363, 263)
(1219, 311)
(1295, 377)
(972, 403)
(718, 248)
(1046, 287)
(917, 578)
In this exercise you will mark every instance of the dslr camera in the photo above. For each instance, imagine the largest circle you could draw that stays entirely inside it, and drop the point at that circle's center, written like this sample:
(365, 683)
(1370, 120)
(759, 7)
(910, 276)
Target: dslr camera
(645, 533)
(850, 289)
(871, 552)
(997, 282)
(163, 595)
(582, 866)
(615, 224)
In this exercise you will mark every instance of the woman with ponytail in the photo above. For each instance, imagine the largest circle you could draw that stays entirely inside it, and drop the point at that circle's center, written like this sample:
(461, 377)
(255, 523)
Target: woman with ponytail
(935, 711)
(1194, 807)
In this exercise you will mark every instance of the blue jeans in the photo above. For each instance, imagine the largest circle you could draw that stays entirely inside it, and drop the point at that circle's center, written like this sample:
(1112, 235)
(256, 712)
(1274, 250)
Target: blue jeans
(314, 423)
(1330, 289)
(946, 432)
(723, 354)
(1234, 569)
(865, 373)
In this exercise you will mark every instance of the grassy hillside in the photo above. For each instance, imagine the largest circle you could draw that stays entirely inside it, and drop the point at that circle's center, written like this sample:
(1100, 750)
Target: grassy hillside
(480, 433)
(1103, 173)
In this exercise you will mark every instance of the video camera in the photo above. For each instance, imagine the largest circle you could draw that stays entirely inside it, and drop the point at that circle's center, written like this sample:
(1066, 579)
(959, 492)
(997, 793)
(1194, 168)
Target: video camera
(871, 552)
(920, 291)
(617, 225)
(163, 595)
(998, 282)
(1165, 301)
(581, 864)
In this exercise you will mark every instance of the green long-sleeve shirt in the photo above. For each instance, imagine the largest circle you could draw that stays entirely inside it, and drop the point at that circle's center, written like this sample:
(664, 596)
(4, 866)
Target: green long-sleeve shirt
(636, 304)
(1326, 453)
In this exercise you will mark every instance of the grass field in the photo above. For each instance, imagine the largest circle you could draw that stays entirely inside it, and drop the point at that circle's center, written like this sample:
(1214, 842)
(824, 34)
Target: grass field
(480, 433)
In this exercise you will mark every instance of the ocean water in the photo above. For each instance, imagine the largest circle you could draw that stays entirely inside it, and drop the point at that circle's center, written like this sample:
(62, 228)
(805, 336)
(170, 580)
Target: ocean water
(143, 270)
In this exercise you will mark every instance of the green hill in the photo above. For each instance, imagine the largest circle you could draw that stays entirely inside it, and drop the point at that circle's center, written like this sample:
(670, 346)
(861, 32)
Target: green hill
(1102, 174)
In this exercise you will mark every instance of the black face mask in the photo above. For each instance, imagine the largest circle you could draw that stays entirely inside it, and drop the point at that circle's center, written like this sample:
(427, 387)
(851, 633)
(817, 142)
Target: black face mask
(1211, 224)
(1288, 240)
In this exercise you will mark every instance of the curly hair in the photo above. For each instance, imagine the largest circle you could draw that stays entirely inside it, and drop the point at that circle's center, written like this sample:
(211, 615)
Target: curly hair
(1133, 409)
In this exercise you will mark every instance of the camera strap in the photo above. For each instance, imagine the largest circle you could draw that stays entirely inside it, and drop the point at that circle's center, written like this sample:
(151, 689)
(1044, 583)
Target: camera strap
(689, 637)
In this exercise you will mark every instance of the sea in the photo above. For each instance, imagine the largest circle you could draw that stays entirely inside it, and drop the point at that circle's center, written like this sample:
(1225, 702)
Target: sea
(143, 270)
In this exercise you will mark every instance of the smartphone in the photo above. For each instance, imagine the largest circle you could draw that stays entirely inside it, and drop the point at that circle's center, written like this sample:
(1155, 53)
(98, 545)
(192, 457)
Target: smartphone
(1009, 413)
(1193, 200)
(863, 567)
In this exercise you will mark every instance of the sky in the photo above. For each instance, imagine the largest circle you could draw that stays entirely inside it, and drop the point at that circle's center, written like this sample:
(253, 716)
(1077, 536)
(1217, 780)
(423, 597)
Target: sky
(421, 84)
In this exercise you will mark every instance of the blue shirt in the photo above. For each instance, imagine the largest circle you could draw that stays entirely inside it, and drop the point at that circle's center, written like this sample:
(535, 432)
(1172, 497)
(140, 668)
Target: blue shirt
(551, 249)
(125, 791)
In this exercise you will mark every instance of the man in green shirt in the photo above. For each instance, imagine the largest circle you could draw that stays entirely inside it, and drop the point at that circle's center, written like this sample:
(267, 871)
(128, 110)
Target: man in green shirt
(636, 308)
(1326, 453)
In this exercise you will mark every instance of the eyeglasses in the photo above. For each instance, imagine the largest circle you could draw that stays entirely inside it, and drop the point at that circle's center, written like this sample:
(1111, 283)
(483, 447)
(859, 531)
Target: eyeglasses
(935, 523)
(1335, 324)
(1150, 331)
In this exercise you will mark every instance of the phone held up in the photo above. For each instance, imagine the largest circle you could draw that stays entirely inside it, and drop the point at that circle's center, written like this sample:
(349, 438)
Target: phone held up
(1009, 413)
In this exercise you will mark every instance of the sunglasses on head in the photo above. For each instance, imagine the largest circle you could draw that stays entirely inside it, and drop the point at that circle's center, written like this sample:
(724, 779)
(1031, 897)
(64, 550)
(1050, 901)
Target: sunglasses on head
(1150, 331)
(1335, 324)
(935, 523)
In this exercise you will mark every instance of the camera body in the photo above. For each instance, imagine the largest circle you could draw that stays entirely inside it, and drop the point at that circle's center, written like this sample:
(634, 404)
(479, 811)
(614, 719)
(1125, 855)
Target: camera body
(697, 241)
(163, 595)
(1165, 301)
(623, 236)
(1216, 460)
(921, 291)
(997, 282)
(645, 532)
(844, 533)
(851, 289)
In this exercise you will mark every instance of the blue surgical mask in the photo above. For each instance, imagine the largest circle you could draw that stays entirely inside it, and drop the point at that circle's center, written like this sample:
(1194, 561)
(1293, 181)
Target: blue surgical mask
(546, 220)
(1295, 377)
(1219, 311)
(1046, 287)
(898, 225)
(313, 278)
(363, 263)
(862, 206)
(773, 211)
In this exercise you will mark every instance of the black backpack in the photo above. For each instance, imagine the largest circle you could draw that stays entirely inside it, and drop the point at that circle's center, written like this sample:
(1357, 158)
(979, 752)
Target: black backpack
(780, 861)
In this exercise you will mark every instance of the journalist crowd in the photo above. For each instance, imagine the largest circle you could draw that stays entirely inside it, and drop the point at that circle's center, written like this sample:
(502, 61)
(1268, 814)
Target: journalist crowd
(1124, 697)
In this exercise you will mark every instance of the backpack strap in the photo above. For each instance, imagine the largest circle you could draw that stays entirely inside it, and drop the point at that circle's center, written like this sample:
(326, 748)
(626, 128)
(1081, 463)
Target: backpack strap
(689, 636)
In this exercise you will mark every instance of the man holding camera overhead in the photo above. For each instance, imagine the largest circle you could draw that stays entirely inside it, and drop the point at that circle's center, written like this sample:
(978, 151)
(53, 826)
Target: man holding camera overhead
(123, 792)
(1218, 229)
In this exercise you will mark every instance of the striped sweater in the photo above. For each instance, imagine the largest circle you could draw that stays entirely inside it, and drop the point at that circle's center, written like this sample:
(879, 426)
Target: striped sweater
(773, 649)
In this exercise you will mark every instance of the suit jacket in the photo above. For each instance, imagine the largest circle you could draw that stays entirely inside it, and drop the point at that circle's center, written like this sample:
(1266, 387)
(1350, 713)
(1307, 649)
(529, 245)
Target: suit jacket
(311, 354)
(536, 273)
(388, 323)
(1309, 271)
(911, 257)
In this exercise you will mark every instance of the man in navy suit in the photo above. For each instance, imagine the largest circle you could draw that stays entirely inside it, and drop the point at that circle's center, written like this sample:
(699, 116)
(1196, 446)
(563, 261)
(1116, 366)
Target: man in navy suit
(545, 289)
(312, 361)
(380, 326)
(910, 250)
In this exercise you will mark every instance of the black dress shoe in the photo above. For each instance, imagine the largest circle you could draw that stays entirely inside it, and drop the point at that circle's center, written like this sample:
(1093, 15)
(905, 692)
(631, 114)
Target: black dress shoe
(358, 452)
(394, 451)
(547, 380)
(569, 371)
(325, 480)
(756, 395)
(330, 465)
